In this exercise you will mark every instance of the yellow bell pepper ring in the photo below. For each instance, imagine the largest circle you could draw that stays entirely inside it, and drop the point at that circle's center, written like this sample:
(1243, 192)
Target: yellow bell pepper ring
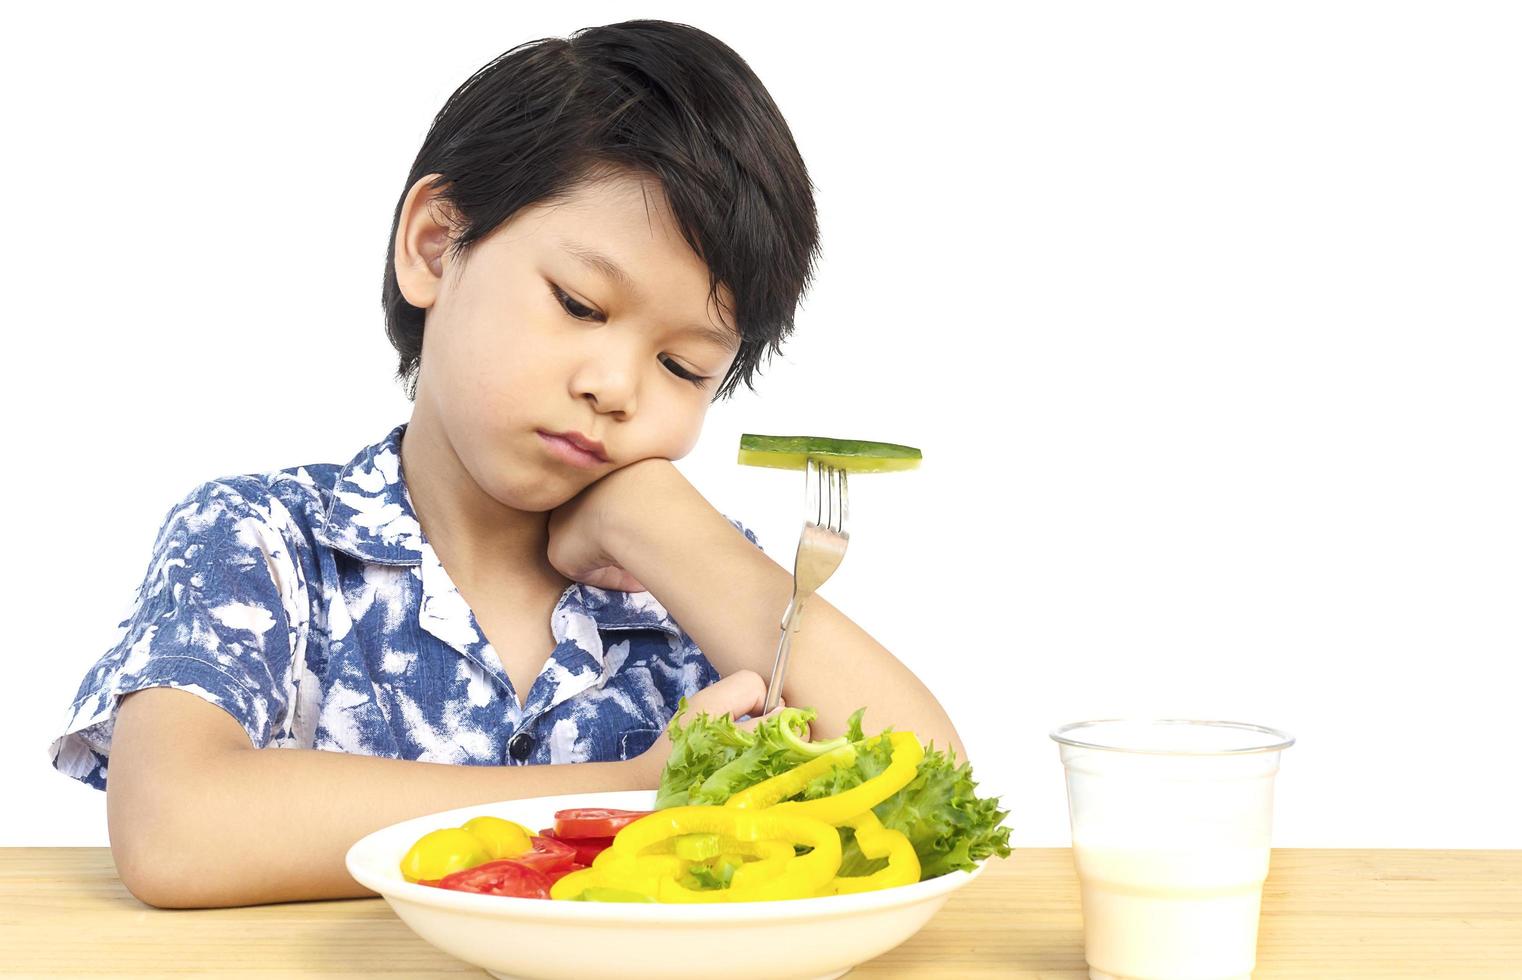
(741, 825)
(877, 841)
(631, 863)
(573, 884)
(726, 846)
(774, 857)
(841, 807)
(613, 862)
(640, 875)
(769, 791)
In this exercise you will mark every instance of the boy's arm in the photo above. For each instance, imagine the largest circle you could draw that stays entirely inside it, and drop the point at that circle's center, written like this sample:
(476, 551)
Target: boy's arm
(729, 596)
(199, 818)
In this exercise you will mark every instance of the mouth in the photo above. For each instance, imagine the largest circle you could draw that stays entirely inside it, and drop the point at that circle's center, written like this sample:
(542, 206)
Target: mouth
(575, 448)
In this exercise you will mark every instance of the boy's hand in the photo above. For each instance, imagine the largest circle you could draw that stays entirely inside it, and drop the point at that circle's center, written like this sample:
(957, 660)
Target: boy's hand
(741, 693)
(579, 528)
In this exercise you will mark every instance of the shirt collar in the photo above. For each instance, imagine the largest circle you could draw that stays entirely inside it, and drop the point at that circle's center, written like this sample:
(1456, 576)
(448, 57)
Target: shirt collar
(612, 610)
(371, 518)
(371, 515)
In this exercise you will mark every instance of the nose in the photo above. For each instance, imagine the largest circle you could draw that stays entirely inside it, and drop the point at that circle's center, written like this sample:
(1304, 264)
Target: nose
(610, 381)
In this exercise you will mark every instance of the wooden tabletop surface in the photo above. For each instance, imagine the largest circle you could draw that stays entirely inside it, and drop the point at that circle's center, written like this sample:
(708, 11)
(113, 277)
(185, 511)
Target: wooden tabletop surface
(1326, 914)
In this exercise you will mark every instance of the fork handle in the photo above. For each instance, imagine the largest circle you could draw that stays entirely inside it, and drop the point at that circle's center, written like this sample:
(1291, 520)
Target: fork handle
(779, 667)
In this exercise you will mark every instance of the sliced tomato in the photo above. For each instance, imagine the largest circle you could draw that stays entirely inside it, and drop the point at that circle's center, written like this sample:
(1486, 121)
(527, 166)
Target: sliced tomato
(594, 821)
(587, 848)
(548, 854)
(506, 877)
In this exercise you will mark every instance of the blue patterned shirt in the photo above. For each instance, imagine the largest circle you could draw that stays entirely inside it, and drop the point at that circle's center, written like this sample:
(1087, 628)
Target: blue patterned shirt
(308, 604)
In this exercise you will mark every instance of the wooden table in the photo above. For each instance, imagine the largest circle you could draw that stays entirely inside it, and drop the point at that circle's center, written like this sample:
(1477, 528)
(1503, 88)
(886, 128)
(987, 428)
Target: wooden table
(1326, 914)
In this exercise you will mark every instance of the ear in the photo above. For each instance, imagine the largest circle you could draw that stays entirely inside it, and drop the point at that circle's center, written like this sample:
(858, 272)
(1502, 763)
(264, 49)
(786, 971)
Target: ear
(423, 232)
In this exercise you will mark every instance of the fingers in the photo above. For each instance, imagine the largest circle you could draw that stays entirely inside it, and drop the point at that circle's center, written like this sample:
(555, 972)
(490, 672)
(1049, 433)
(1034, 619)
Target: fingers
(752, 723)
(749, 692)
(740, 694)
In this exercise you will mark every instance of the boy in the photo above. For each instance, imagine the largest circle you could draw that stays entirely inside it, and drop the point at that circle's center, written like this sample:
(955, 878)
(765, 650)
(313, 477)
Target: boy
(600, 236)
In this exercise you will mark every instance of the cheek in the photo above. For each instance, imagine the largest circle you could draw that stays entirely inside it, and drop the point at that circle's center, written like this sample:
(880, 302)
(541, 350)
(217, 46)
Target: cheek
(487, 400)
(677, 432)
(497, 375)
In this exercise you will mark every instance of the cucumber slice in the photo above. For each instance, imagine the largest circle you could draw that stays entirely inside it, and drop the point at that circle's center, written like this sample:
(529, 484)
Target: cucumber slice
(851, 455)
(697, 847)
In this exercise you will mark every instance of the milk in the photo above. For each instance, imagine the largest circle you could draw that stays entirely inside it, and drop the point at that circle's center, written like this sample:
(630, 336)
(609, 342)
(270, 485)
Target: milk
(1171, 825)
(1166, 914)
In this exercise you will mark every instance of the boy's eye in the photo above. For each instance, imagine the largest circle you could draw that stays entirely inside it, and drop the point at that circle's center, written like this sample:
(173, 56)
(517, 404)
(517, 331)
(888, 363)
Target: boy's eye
(581, 312)
(683, 373)
(572, 307)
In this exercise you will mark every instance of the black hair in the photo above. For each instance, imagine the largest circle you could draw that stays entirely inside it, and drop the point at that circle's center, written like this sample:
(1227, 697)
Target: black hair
(647, 98)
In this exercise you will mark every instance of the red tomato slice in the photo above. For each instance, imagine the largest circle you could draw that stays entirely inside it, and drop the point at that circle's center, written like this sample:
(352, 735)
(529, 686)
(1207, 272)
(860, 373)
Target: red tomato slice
(548, 854)
(506, 877)
(587, 848)
(594, 821)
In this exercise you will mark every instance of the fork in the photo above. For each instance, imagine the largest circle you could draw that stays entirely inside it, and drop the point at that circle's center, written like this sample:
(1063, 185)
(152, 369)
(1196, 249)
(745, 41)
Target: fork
(821, 546)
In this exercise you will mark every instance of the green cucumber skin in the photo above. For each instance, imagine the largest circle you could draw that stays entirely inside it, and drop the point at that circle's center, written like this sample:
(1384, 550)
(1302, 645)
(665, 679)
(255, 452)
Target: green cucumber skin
(822, 446)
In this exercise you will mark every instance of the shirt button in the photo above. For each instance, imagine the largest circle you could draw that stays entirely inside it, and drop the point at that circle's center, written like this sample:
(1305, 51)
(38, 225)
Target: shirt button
(520, 745)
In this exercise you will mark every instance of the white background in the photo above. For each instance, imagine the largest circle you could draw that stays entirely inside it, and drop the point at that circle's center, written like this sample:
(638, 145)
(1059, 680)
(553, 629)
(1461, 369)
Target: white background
(1205, 317)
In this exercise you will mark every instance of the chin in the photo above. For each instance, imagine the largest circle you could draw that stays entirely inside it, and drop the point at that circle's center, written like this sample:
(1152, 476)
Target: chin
(537, 500)
(517, 489)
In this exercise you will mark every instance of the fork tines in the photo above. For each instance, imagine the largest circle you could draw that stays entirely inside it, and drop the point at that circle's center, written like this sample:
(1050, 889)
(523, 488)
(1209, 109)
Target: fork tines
(828, 507)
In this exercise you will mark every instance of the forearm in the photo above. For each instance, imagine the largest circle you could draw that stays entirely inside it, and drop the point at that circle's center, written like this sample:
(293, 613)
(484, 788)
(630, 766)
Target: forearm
(245, 826)
(729, 596)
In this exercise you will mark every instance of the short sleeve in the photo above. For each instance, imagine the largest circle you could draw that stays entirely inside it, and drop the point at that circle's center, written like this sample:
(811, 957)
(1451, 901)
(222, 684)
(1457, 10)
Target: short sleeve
(210, 618)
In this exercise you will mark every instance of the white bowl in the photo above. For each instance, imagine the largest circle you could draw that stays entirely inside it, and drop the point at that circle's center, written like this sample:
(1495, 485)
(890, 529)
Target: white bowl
(537, 939)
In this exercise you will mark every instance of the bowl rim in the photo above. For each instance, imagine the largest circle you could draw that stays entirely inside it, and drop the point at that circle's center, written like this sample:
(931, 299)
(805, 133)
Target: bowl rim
(364, 863)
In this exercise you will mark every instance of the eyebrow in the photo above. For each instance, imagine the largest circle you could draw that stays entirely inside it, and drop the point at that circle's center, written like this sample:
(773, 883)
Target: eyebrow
(599, 262)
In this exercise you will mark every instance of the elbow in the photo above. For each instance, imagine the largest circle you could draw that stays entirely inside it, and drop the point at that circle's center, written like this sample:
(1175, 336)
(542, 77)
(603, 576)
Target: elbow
(171, 866)
(953, 747)
(159, 859)
(138, 862)
(942, 736)
(165, 877)
(160, 866)
(955, 742)
(151, 881)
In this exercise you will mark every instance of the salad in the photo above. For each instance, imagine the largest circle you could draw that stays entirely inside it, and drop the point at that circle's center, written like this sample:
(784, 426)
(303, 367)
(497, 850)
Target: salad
(741, 816)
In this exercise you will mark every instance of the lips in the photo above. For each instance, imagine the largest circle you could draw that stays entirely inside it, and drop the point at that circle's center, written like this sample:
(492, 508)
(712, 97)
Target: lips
(584, 444)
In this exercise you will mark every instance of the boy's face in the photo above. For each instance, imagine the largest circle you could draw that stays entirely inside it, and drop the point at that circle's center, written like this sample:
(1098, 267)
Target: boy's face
(524, 338)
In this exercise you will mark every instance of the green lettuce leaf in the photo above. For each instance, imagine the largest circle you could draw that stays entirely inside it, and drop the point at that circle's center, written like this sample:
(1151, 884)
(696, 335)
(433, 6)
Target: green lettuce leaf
(950, 827)
(711, 759)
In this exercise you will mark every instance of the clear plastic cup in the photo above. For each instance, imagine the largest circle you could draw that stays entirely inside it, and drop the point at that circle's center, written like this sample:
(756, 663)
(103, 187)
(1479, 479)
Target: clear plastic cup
(1171, 824)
